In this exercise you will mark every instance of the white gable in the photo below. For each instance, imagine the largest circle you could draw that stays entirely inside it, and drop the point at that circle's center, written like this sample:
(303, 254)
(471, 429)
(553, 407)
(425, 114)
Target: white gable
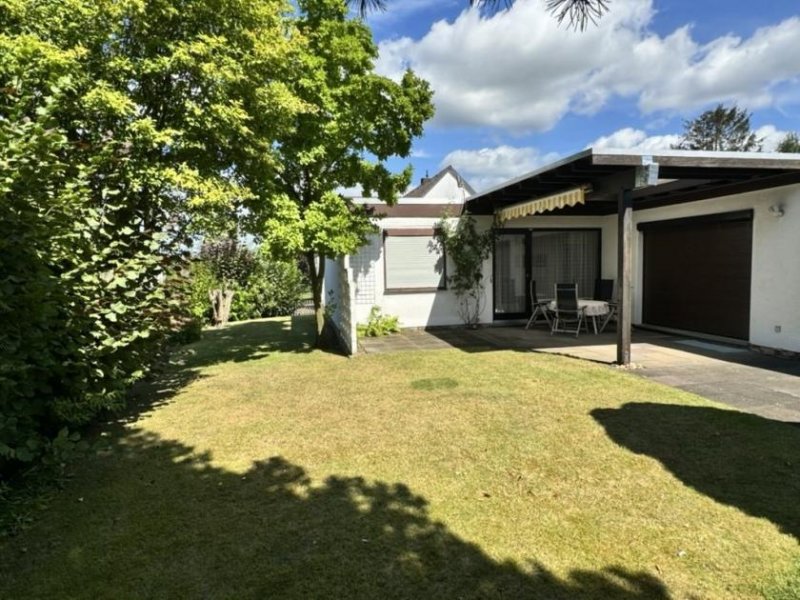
(447, 189)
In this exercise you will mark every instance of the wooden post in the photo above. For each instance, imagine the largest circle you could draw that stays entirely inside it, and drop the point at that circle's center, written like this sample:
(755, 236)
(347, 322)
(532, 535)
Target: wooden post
(624, 276)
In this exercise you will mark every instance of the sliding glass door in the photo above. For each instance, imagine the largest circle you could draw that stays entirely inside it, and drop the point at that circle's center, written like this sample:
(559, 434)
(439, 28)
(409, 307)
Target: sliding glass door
(511, 275)
(546, 256)
(565, 256)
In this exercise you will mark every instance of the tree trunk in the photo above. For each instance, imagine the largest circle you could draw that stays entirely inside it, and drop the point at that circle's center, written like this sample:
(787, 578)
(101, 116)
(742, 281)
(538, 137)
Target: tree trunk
(316, 272)
(221, 301)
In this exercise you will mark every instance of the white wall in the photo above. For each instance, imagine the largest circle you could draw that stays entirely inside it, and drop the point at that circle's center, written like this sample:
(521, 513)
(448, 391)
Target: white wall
(423, 309)
(338, 290)
(447, 189)
(775, 295)
(431, 309)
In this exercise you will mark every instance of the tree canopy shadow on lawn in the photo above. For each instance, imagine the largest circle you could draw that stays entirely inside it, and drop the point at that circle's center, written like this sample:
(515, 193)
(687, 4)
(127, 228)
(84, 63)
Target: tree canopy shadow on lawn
(157, 519)
(251, 340)
(736, 458)
(237, 342)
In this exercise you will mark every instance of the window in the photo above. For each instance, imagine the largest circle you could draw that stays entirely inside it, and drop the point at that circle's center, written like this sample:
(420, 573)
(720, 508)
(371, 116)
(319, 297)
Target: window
(565, 256)
(413, 261)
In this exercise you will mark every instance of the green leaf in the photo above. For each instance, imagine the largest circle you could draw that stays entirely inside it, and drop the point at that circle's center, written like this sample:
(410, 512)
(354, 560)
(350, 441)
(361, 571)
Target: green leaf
(23, 454)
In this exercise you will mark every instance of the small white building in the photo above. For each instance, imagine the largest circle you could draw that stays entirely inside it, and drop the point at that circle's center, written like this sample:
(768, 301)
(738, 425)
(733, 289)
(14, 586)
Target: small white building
(711, 243)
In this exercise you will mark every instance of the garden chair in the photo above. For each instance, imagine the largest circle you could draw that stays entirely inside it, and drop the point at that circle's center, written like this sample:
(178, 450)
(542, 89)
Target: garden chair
(604, 290)
(567, 311)
(539, 307)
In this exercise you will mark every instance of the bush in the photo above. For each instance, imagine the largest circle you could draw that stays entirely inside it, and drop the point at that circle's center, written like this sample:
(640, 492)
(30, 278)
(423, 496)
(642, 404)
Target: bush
(379, 324)
(273, 288)
(190, 331)
(202, 282)
(467, 249)
(90, 246)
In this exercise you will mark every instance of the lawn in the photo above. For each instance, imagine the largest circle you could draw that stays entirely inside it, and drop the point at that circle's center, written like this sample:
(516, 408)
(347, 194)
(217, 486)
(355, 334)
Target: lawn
(258, 468)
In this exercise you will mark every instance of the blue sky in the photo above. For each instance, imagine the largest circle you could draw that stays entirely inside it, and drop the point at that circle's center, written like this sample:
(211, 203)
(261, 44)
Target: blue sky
(514, 90)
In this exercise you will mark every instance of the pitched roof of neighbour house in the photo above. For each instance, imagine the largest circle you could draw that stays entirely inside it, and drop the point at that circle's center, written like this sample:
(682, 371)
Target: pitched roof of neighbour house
(421, 202)
(600, 174)
(428, 183)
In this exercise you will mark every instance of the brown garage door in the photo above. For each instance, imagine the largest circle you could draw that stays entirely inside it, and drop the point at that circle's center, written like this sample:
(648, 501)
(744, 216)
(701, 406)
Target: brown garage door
(697, 274)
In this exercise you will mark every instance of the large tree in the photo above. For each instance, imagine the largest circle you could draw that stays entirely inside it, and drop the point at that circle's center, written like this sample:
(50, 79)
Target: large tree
(790, 143)
(118, 119)
(721, 128)
(359, 120)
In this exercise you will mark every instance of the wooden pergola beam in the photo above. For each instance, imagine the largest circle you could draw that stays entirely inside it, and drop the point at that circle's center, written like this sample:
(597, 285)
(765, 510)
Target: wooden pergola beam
(624, 275)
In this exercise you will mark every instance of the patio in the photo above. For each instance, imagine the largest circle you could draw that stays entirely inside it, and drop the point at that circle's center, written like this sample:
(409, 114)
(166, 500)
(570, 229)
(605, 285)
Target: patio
(573, 221)
(768, 386)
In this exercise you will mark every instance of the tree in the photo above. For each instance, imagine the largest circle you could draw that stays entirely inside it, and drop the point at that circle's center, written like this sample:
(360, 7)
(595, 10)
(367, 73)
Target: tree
(578, 13)
(121, 123)
(359, 120)
(790, 143)
(230, 265)
(721, 128)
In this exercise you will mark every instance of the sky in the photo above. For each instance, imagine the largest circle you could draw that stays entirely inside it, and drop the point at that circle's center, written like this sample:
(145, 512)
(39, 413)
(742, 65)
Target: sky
(516, 90)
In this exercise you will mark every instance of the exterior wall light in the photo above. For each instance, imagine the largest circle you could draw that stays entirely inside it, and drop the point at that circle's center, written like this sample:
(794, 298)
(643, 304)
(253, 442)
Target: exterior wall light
(776, 210)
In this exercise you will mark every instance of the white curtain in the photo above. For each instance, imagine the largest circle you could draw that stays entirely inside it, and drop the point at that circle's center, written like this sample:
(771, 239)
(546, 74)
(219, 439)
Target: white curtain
(569, 256)
(510, 276)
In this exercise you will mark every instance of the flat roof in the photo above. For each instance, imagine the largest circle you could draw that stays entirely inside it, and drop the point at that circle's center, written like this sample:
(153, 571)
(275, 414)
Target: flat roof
(684, 176)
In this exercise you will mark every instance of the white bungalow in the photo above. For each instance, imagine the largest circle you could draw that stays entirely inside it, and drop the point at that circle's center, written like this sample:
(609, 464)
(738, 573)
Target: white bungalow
(700, 243)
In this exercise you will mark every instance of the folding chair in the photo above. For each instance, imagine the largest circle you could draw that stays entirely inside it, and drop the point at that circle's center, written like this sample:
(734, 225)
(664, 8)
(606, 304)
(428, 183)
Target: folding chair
(539, 308)
(604, 290)
(567, 310)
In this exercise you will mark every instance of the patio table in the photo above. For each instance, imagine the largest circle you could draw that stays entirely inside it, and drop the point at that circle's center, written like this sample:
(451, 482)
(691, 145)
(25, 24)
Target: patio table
(594, 309)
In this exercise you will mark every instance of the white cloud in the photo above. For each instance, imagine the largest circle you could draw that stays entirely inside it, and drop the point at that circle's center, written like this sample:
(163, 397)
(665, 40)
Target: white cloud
(771, 136)
(489, 166)
(636, 139)
(520, 71)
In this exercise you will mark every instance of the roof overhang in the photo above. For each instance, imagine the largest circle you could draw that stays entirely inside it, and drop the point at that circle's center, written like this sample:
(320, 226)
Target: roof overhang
(684, 176)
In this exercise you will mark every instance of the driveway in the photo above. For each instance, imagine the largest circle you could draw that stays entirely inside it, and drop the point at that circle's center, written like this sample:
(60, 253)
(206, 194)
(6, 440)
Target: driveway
(768, 386)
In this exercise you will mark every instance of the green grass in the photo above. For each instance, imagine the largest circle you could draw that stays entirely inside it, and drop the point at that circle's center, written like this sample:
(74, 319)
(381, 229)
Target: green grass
(258, 468)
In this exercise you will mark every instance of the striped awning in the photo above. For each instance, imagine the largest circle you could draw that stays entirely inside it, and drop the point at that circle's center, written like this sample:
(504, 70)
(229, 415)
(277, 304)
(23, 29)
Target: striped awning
(540, 205)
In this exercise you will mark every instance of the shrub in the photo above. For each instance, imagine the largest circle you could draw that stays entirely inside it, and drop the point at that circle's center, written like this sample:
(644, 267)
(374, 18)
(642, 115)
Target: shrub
(190, 331)
(230, 265)
(202, 282)
(378, 324)
(272, 288)
(90, 240)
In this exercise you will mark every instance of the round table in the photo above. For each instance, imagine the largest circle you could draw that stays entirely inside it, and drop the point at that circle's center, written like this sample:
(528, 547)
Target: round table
(593, 309)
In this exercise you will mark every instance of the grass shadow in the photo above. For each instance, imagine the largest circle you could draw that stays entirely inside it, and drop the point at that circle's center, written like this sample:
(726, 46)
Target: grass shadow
(250, 340)
(738, 459)
(237, 342)
(156, 519)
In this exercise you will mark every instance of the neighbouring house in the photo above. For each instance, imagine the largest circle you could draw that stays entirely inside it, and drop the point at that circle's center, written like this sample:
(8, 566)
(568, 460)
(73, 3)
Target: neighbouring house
(705, 243)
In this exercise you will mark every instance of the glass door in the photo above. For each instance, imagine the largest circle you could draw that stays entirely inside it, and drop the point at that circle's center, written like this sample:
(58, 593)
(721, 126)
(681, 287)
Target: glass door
(511, 275)
(565, 256)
